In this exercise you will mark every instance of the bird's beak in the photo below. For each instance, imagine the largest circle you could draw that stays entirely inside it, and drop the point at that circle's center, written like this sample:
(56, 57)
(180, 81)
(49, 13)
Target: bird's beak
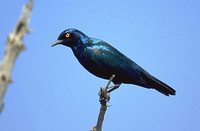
(57, 42)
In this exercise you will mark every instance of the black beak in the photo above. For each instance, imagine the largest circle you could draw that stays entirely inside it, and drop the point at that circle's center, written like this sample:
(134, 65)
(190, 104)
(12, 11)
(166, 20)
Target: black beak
(57, 42)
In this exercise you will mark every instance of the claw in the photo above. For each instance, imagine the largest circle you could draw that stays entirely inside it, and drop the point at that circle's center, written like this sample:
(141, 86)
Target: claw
(104, 95)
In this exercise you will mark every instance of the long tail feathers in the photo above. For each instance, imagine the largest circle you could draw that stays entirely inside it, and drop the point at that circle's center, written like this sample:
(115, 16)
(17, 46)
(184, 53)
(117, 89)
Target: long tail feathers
(153, 82)
(161, 86)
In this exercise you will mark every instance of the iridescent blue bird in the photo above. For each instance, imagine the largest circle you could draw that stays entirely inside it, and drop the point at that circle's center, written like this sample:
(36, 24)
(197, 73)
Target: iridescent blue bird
(103, 60)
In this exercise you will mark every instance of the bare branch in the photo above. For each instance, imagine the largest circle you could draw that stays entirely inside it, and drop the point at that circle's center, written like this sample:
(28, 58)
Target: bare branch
(104, 97)
(14, 46)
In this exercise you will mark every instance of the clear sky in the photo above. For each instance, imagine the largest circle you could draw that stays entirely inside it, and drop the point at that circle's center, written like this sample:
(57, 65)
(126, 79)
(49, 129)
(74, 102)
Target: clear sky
(51, 91)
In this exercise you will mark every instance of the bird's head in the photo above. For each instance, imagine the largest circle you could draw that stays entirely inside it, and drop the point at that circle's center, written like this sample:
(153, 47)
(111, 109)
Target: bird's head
(70, 38)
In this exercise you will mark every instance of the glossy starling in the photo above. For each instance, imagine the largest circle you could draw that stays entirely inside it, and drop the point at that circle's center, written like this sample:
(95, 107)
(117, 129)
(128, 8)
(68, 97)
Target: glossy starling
(103, 60)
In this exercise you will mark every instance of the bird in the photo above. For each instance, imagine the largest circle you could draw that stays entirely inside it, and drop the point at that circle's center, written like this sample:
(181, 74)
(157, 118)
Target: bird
(103, 60)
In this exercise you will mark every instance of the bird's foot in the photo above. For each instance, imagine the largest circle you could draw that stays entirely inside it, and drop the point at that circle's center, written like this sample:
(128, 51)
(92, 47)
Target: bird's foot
(104, 95)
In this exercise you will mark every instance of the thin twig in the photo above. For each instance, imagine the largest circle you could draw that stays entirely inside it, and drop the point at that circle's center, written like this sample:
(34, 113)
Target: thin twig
(110, 80)
(14, 46)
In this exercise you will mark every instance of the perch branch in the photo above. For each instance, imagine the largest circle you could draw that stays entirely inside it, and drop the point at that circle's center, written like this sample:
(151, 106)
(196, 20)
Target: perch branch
(104, 97)
(14, 46)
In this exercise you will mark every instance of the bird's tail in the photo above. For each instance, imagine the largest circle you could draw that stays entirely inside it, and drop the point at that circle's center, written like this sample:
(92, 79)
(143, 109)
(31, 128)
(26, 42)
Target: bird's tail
(161, 86)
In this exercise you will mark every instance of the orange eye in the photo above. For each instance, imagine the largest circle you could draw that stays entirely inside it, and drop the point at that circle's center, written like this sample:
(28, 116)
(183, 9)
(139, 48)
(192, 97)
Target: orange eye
(67, 35)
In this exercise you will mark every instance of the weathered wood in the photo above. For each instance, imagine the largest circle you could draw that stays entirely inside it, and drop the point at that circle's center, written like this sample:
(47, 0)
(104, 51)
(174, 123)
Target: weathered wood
(14, 45)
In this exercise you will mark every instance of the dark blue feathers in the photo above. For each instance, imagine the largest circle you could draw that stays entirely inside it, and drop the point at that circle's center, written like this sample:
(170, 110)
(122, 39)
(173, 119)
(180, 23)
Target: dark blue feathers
(103, 60)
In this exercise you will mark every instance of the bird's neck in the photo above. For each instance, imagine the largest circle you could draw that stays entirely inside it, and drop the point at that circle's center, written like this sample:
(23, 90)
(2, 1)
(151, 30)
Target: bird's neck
(80, 44)
(83, 39)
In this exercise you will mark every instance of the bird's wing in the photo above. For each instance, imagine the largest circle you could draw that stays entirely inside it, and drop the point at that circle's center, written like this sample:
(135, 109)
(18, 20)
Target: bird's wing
(111, 61)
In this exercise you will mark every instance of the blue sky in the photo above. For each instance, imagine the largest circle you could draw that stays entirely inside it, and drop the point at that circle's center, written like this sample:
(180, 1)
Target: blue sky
(51, 91)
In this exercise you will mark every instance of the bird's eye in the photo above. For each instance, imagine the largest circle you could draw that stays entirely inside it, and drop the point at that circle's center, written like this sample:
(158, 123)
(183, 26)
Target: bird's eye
(67, 35)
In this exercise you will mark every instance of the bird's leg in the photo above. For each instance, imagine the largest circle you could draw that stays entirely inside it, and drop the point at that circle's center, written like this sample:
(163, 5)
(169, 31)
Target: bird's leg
(114, 87)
